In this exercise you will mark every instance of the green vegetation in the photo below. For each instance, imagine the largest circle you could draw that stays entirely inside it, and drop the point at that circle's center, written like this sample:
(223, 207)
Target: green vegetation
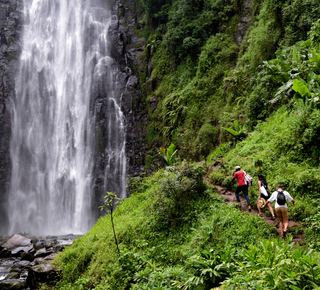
(206, 80)
(156, 234)
(238, 133)
(169, 155)
(176, 233)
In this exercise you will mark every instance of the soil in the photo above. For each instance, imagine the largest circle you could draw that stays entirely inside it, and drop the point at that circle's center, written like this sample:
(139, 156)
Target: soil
(231, 199)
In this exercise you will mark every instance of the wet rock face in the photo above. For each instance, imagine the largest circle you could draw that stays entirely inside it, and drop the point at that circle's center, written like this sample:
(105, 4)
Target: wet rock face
(126, 49)
(128, 55)
(26, 262)
(10, 29)
(133, 105)
(245, 21)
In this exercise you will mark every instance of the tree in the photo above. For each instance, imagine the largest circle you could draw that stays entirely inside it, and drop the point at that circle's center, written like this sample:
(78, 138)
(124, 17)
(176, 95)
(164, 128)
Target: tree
(111, 202)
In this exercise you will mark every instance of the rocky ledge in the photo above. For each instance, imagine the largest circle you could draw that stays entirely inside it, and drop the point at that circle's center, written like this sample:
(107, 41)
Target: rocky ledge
(25, 262)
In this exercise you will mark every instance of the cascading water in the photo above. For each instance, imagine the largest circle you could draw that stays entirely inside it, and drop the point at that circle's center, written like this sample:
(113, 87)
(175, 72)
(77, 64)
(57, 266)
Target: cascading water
(64, 60)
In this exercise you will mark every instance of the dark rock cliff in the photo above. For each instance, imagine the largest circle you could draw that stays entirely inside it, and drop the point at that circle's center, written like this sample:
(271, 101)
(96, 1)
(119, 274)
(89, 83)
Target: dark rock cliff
(10, 28)
(126, 49)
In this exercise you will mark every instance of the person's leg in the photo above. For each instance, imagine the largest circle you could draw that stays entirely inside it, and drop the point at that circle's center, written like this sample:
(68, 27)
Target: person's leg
(279, 215)
(237, 194)
(285, 218)
(245, 192)
(258, 206)
(271, 210)
(281, 229)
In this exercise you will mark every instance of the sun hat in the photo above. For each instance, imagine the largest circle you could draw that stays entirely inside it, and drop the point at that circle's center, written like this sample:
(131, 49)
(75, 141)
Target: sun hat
(262, 201)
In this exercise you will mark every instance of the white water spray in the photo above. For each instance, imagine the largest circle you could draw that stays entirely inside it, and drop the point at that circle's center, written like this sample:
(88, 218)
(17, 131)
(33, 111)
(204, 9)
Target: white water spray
(64, 59)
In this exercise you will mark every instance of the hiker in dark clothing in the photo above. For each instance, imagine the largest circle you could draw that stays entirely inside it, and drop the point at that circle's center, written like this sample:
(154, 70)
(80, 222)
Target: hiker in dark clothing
(242, 186)
(264, 194)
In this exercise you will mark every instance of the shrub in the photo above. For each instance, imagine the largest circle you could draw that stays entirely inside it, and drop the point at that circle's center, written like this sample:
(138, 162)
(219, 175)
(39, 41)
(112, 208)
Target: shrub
(312, 224)
(216, 177)
(176, 202)
(275, 265)
(206, 139)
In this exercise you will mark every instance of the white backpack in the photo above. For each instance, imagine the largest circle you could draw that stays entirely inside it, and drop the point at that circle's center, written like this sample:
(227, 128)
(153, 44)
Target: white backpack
(247, 179)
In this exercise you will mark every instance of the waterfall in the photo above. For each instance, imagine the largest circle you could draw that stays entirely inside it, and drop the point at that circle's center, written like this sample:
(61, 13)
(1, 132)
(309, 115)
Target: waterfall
(64, 62)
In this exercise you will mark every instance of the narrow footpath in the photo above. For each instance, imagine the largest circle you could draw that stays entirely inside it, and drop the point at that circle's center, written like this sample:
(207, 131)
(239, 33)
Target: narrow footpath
(231, 199)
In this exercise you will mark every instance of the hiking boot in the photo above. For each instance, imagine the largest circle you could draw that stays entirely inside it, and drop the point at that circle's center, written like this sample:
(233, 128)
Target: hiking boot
(273, 218)
(239, 205)
(249, 208)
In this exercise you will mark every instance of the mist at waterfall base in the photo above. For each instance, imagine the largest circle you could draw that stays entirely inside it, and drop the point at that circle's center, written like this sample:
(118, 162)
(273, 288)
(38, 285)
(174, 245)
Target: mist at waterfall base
(64, 68)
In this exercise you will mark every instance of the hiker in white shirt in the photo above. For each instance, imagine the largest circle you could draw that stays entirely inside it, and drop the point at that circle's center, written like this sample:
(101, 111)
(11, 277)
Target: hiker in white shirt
(281, 197)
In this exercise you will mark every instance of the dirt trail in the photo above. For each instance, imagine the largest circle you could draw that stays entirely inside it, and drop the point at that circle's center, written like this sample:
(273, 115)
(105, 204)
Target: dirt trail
(231, 199)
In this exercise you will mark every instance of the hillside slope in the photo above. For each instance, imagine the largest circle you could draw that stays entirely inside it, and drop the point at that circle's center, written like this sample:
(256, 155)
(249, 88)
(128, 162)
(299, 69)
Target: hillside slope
(208, 67)
(173, 233)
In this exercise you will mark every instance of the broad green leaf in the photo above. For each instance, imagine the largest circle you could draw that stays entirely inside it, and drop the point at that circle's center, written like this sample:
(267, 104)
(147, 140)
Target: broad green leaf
(300, 86)
(171, 149)
(236, 125)
(232, 132)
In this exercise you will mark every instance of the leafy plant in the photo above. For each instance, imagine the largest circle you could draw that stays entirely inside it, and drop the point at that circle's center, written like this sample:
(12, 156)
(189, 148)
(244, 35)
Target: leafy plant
(275, 265)
(211, 267)
(313, 229)
(239, 133)
(170, 155)
(307, 90)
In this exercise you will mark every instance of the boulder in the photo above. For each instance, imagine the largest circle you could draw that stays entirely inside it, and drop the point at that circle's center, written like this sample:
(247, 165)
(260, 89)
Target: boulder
(17, 241)
(42, 273)
(21, 264)
(44, 252)
(13, 284)
(17, 252)
(38, 261)
(133, 82)
(25, 256)
(153, 104)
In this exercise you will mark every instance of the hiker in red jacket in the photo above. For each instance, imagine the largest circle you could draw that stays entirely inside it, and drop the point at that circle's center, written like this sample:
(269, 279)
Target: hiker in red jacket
(239, 174)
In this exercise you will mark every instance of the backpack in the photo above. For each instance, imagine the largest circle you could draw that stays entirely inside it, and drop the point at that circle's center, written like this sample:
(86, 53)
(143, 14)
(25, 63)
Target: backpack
(266, 193)
(247, 179)
(281, 199)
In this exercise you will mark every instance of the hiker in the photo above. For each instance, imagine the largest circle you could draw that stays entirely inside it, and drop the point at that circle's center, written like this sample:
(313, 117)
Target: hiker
(281, 197)
(242, 186)
(264, 194)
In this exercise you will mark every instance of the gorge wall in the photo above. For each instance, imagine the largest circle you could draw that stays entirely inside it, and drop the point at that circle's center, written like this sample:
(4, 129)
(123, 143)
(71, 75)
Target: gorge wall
(126, 49)
(10, 29)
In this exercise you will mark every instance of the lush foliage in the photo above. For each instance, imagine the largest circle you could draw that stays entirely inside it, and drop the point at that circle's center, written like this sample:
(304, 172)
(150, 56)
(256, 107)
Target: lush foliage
(206, 244)
(238, 133)
(295, 69)
(169, 155)
(206, 79)
(273, 265)
(156, 253)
